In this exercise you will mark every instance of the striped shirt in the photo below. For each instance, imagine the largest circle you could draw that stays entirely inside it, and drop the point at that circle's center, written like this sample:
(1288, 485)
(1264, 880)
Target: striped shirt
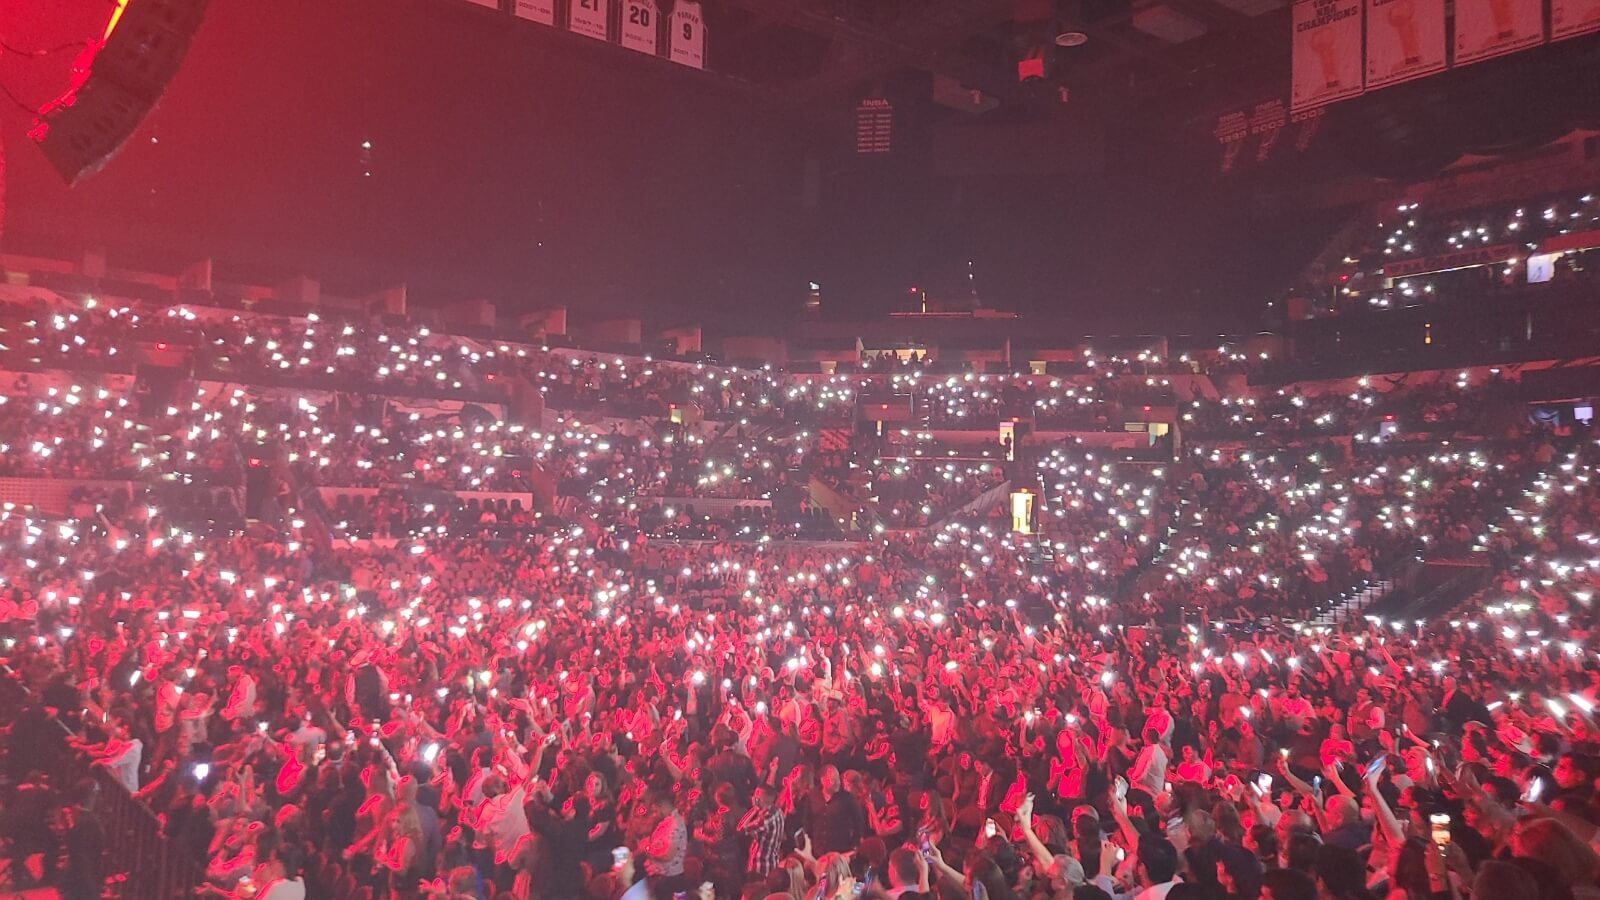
(764, 827)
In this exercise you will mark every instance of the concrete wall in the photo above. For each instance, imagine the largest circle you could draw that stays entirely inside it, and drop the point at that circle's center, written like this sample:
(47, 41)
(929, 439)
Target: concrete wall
(685, 341)
(756, 347)
(610, 331)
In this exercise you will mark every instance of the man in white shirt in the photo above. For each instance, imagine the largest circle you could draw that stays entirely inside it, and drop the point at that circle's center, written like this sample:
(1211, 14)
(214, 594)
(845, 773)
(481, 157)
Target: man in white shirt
(941, 721)
(665, 848)
(1150, 769)
(308, 734)
(506, 819)
(1155, 872)
(242, 701)
(122, 755)
(1296, 709)
(1160, 720)
(278, 878)
(169, 697)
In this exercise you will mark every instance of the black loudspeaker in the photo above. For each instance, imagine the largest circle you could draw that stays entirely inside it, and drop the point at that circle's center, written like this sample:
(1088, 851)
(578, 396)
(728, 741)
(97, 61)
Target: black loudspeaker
(81, 137)
(116, 82)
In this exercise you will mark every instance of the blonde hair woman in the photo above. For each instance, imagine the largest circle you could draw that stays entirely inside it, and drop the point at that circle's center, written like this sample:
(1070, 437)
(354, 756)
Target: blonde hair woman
(793, 878)
(400, 852)
(834, 878)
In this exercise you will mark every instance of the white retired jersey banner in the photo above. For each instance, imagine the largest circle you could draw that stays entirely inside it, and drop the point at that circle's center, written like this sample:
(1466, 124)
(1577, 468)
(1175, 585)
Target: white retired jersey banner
(1405, 40)
(588, 18)
(1570, 18)
(1489, 28)
(492, 4)
(541, 11)
(1327, 52)
(688, 35)
(639, 22)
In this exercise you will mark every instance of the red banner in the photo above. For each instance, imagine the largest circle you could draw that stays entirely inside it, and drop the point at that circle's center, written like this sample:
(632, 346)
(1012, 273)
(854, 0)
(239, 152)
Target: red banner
(1578, 240)
(1446, 262)
(1489, 28)
(1405, 40)
(1327, 52)
(541, 11)
(1570, 18)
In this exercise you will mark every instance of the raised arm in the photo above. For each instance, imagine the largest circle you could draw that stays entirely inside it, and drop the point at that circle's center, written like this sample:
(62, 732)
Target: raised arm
(1042, 858)
(936, 864)
(1386, 819)
(1119, 811)
(1330, 775)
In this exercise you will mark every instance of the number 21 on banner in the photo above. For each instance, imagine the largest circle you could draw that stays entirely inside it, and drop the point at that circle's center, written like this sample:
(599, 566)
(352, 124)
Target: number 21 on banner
(588, 18)
(688, 33)
(639, 20)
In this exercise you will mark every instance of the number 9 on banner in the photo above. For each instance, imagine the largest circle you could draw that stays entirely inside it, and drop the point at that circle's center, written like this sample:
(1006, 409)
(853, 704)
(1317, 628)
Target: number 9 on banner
(688, 32)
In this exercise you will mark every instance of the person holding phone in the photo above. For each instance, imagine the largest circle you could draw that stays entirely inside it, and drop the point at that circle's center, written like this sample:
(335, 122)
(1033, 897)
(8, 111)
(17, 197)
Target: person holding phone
(1154, 874)
(908, 875)
(981, 880)
(842, 822)
(1343, 824)
(763, 826)
(626, 885)
(664, 849)
(564, 831)
(835, 881)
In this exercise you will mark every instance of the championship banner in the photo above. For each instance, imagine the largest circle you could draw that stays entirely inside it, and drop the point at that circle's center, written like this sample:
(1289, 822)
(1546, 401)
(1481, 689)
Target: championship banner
(1232, 128)
(588, 18)
(1405, 40)
(1570, 18)
(874, 126)
(541, 11)
(1327, 52)
(491, 4)
(1266, 122)
(688, 32)
(1489, 28)
(639, 20)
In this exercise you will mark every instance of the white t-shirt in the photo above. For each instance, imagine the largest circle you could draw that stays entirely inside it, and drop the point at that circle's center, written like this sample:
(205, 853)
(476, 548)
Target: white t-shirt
(1161, 721)
(1297, 708)
(125, 765)
(639, 891)
(168, 696)
(942, 721)
(507, 819)
(1151, 768)
(1154, 892)
(283, 889)
(308, 734)
(242, 701)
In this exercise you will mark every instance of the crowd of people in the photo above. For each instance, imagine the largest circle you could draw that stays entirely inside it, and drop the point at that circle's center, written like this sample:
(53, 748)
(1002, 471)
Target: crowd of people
(1362, 280)
(396, 682)
(1371, 411)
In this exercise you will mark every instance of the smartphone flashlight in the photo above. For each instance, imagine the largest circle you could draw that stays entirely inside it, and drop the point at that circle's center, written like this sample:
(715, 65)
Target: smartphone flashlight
(1440, 823)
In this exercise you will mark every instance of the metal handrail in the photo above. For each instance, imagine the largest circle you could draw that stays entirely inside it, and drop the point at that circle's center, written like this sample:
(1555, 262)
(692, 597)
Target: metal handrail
(144, 863)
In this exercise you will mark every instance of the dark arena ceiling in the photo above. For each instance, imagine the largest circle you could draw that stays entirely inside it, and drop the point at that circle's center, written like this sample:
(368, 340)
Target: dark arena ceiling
(1148, 154)
(1116, 72)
